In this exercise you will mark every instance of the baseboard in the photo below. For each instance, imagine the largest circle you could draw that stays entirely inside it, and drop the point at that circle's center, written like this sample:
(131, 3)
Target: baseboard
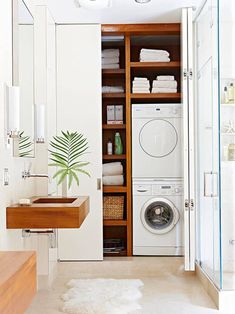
(224, 300)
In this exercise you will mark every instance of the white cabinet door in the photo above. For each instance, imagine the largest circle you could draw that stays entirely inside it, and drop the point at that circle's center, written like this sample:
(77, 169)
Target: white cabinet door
(188, 113)
(79, 109)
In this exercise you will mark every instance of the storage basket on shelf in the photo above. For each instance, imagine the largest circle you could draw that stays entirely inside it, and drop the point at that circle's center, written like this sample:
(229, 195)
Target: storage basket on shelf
(113, 207)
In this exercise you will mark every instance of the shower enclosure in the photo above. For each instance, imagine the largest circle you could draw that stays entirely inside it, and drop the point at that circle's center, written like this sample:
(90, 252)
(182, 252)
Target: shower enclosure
(214, 33)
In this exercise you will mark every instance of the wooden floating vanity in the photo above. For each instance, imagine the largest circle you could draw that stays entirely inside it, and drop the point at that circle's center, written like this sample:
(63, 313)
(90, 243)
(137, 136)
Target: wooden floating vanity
(18, 283)
(48, 212)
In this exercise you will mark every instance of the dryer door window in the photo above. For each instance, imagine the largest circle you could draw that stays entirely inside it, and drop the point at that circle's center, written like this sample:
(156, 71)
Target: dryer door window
(158, 138)
(159, 216)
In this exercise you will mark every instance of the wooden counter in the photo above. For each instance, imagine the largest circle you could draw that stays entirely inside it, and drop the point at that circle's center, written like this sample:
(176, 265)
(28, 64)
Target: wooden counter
(17, 281)
(48, 212)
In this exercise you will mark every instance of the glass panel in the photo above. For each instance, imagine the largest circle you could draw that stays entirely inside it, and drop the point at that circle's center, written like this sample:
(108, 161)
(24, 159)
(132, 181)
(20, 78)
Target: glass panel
(207, 159)
(227, 139)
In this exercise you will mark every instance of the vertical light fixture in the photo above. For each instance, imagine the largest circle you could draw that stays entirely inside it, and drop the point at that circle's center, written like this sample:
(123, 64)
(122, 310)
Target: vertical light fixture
(13, 110)
(40, 123)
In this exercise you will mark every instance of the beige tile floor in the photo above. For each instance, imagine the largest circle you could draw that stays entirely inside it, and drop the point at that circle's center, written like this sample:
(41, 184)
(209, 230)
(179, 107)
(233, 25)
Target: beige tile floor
(167, 288)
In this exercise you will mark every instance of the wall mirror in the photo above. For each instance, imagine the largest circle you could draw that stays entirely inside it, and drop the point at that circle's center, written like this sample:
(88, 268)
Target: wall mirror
(23, 76)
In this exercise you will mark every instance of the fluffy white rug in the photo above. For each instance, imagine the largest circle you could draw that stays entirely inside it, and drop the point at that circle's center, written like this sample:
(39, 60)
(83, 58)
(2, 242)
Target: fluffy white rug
(102, 296)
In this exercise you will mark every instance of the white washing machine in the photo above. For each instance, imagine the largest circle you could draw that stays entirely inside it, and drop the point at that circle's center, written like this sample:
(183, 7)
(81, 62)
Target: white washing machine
(156, 141)
(158, 217)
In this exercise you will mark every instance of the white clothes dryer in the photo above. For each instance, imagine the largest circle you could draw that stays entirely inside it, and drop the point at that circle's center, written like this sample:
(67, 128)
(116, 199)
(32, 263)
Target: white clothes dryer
(156, 141)
(157, 217)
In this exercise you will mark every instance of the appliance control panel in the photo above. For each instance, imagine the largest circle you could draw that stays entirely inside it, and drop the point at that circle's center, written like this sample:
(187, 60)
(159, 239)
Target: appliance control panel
(158, 189)
(167, 189)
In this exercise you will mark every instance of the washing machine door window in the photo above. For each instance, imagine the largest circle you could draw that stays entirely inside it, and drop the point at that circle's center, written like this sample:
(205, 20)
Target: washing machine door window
(159, 216)
(158, 138)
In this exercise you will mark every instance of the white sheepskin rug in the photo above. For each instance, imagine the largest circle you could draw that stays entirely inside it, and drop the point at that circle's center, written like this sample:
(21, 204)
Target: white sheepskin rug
(102, 296)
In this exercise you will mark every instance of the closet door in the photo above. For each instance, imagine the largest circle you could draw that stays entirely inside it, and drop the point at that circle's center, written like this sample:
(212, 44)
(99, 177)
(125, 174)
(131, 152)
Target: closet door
(188, 126)
(79, 109)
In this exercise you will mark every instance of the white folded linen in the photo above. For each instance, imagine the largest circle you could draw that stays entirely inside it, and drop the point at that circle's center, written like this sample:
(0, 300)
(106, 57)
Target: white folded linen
(112, 89)
(145, 51)
(112, 168)
(113, 180)
(140, 91)
(110, 53)
(141, 84)
(165, 78)
(140, 79)
(154, 59)
(163, 90)
(167, 84)
(110, 66)
(110, 60)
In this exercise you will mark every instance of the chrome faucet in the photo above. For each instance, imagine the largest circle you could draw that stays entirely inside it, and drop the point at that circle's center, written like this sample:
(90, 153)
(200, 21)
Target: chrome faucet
(26, 174)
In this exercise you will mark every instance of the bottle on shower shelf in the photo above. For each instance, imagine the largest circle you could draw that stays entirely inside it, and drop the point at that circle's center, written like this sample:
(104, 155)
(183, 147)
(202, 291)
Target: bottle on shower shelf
(110, 147)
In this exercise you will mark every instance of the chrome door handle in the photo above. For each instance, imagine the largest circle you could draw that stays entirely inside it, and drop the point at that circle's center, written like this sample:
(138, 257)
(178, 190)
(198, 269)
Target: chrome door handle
(142, 191)
(212, 177)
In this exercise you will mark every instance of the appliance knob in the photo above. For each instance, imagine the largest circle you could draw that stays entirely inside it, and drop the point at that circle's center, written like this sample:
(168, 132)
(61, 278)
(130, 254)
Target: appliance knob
(177, 190)
(174, 111)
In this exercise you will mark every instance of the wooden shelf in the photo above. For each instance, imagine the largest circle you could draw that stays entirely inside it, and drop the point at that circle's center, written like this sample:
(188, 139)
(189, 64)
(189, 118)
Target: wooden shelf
(157, 96)
(113, 71)
(114, 157)
(114, 222)
(114, 189)
(156, 65)
(113, 95)
(113, 126)
(122, 253)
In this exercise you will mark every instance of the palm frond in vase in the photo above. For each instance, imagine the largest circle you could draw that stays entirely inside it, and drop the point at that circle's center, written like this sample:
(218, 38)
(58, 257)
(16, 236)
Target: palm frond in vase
(66, 151)
(25, 145)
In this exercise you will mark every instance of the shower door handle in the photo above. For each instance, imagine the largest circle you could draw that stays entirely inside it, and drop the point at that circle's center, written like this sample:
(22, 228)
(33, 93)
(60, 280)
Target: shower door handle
(211, 185)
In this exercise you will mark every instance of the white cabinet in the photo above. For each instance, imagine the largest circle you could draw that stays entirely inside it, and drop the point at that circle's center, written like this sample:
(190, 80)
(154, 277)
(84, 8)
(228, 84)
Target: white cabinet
(79, 109)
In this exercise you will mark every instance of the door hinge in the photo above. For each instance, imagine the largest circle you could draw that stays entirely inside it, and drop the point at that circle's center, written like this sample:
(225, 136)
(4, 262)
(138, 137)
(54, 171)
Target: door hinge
(192, 204)
(186, 204)
(188, 74)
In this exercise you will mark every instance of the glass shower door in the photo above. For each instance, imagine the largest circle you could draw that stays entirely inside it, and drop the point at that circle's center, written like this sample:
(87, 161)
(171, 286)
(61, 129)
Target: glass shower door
(207, 135)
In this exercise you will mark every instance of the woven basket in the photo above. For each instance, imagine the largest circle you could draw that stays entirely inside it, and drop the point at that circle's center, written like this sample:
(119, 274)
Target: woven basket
(113, 207)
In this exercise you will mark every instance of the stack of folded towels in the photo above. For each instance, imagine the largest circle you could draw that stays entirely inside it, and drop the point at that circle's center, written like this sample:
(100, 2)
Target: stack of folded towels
(113, 173)
(140, 85)
(112, 89)
(154, 55)
(110, 59)
(164, 84)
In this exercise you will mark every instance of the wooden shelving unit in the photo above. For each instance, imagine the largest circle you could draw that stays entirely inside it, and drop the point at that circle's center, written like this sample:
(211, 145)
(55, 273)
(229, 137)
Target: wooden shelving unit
(113, 95)
(114, 157)
(113, 126)
(155, 65)
(176, 96)
(136, 36)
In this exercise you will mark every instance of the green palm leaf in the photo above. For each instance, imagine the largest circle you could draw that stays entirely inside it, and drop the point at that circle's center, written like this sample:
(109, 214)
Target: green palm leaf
(25, 145)
(65, 151)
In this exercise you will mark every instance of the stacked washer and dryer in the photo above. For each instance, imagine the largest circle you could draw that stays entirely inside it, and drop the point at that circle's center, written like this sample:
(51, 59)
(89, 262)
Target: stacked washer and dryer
(157, 179)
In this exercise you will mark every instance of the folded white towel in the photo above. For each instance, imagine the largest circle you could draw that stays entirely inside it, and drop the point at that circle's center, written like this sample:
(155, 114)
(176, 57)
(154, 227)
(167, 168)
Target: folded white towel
(155, 59)
(112, 89)
(154, 51)
(167, 84)
(164, 90)
(110, 60)
(136, 79)
(113, 180)
(141, 84)
(165, 78)
(110, 53)
(140, 91)
(111, 66)
(112, 168)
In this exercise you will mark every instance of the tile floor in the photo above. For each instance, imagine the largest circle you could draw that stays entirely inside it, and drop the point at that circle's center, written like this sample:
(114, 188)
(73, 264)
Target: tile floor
(167, 288)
